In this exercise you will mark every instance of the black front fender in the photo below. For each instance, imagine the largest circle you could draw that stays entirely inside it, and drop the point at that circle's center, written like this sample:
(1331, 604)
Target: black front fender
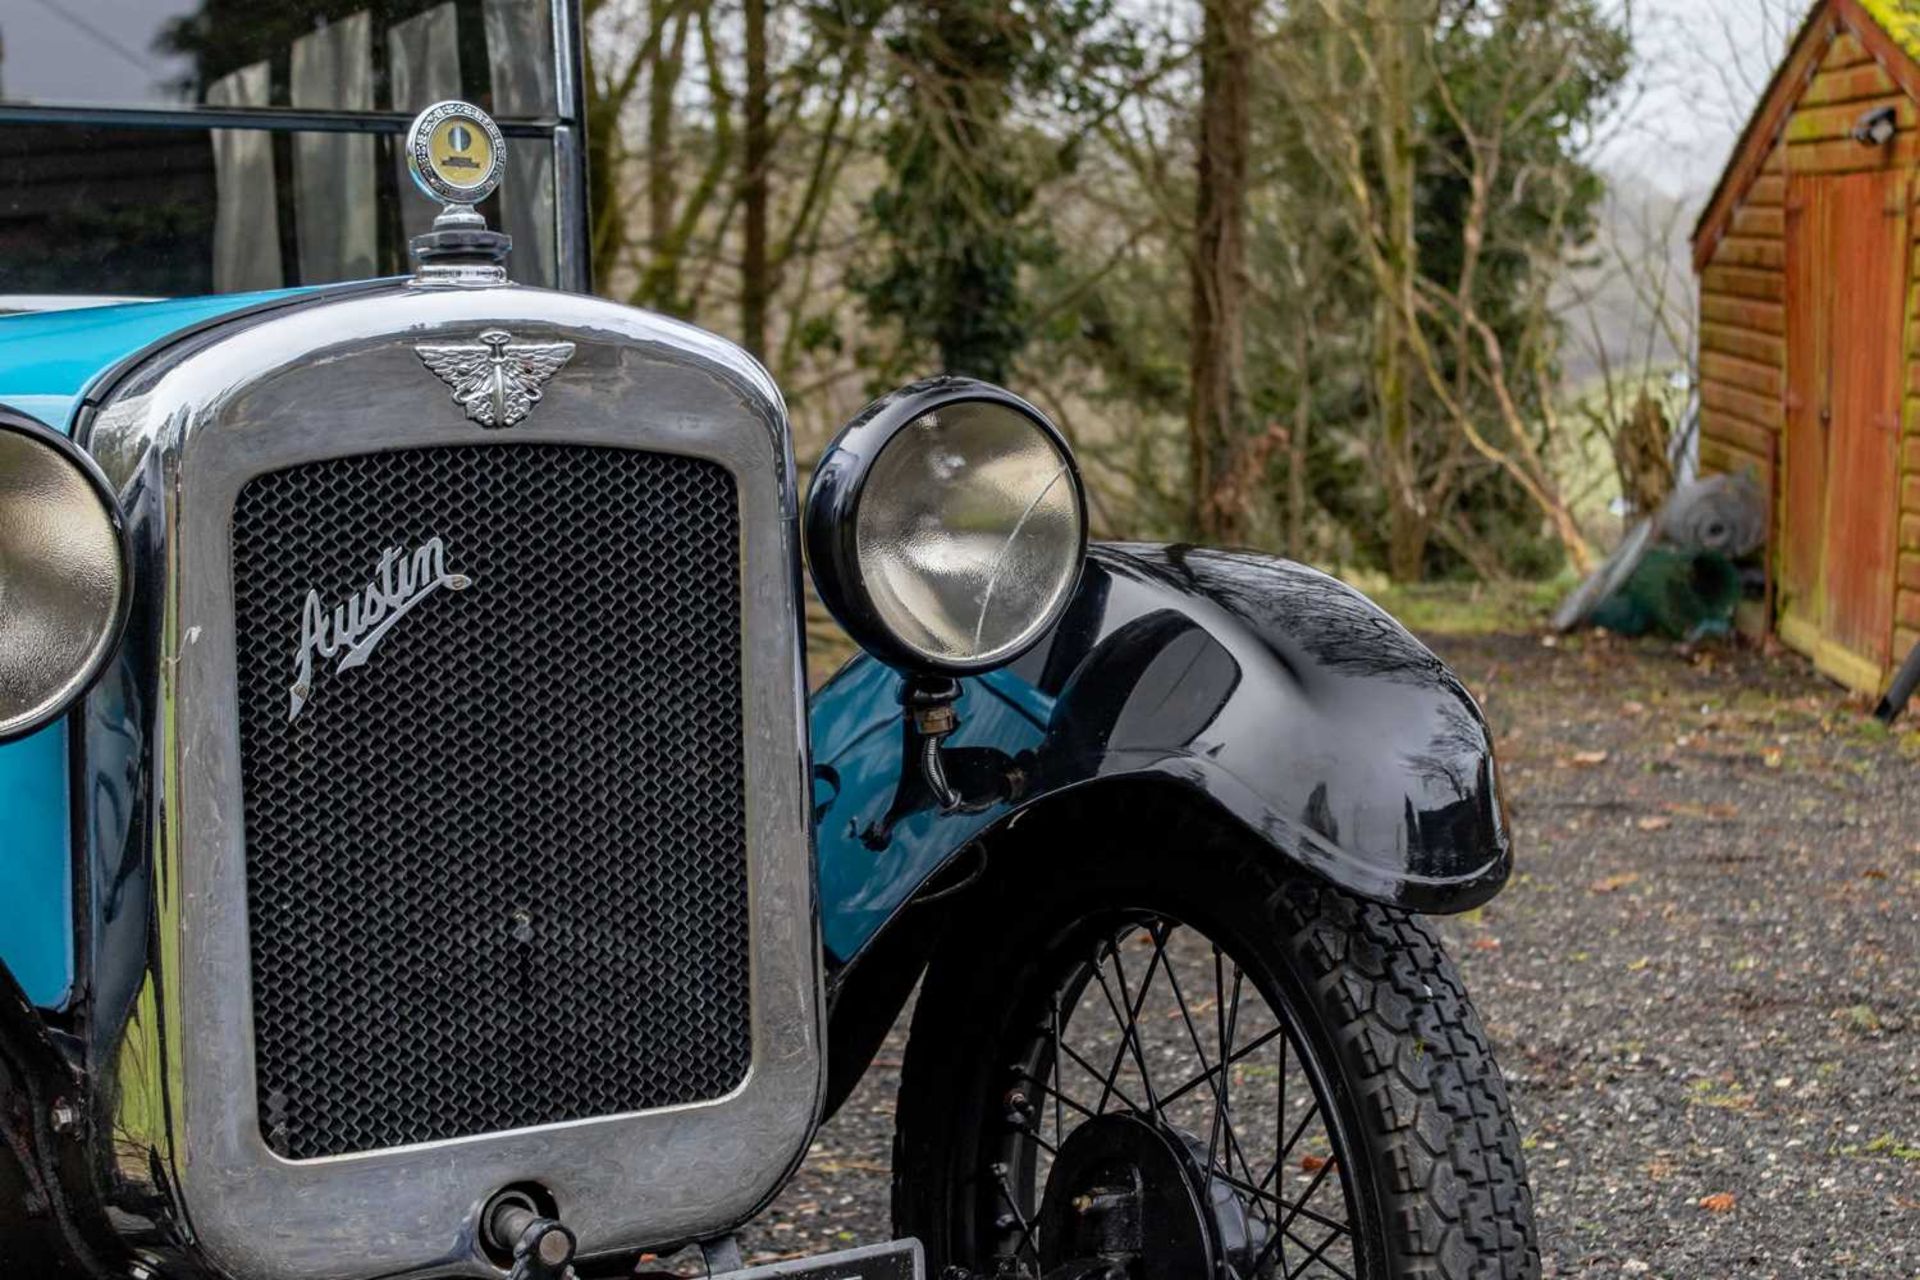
(1273, 692)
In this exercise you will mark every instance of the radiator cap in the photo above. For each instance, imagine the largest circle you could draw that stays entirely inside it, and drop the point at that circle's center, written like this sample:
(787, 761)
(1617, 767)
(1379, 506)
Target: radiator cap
(457, 155)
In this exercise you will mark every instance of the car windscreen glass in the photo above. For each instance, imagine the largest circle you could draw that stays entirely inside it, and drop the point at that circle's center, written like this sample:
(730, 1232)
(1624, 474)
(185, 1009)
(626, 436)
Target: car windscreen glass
(299, 55)
(116, 209)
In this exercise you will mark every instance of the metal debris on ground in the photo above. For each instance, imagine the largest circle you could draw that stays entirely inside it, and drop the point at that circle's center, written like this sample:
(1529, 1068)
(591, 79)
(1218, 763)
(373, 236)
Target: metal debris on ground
(1675, 572)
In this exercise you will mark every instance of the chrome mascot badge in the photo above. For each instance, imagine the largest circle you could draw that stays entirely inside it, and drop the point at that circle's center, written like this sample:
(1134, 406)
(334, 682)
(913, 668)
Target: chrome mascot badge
(401, 580)
(497, 380)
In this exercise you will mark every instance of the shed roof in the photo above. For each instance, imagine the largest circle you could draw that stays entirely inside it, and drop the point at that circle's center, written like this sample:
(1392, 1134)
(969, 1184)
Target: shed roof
(1899, 19)
(1890, 30)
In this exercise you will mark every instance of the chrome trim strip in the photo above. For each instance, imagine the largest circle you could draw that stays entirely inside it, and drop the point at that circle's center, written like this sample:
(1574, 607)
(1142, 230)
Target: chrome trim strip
(568, 59)
(20, 303)
(573, 230)
(274, 119)
(572, 242)
(339, 377)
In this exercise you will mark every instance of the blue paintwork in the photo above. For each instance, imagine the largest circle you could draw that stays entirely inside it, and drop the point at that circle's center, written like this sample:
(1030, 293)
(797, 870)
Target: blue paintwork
(47, 361)
(36, 884)
(855, 729)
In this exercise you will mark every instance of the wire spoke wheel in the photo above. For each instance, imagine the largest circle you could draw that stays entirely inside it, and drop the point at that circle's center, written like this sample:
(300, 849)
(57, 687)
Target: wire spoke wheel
(1199, 1065)
(1156, 1022)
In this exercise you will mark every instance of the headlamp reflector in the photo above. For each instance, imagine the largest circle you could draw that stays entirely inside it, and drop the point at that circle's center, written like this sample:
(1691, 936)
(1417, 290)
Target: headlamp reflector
(968, 532)
(63, 574)
(947, 527)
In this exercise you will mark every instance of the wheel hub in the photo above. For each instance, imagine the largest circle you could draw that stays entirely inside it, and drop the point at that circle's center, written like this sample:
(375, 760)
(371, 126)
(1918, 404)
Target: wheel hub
(1127, 1197)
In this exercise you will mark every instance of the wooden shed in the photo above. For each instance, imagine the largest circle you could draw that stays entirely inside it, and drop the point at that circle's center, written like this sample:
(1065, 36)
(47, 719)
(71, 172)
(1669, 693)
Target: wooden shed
(1810, 335)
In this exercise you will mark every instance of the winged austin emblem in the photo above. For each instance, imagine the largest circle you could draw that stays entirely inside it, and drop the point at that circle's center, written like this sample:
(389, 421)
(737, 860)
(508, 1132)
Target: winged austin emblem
(498, 380)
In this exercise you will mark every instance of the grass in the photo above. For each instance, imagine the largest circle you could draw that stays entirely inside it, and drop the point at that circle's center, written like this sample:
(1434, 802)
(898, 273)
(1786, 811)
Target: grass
(1428, 609)
(1466, 608)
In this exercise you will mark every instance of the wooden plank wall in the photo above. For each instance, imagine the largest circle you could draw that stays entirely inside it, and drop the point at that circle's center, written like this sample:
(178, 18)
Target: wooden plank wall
(1743, 327)
(1743, 348)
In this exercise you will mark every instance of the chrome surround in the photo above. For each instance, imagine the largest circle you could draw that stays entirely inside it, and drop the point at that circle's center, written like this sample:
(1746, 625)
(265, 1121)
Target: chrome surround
(573, 237)
(85, 673)
(182, 1156)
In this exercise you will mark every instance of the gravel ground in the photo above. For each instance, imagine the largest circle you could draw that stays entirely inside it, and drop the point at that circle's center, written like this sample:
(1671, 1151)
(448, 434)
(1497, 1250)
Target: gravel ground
(1703, 984)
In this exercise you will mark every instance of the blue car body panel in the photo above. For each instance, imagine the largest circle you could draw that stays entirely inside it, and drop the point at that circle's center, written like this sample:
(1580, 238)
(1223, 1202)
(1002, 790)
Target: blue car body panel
(47, 362)
(36, 876)
(855, 725)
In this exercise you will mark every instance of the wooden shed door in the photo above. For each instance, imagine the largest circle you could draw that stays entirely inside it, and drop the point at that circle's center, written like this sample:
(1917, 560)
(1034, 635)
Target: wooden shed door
(1846, 291)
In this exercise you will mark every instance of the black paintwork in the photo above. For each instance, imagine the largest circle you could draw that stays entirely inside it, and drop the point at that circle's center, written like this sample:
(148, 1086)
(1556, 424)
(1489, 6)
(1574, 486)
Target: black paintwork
(51, 1224)
(833, 506)
(1250, 690)
(1293, 702)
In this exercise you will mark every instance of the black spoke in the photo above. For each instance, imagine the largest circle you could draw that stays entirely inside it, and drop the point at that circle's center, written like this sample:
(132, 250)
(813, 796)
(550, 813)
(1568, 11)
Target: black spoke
(1101, 1079)
(1316, 1254)
(1286, 1148)
(1290, 1209)
(1280, 1118)
(1227, 1025)
(1299, 1237)
(1300, 1210)
(1060, 1100)
(1314, 1251)
(1246, 1050)
(1313, 1185)
(1059, 1097)
(1019, 1215)
(1222, 1108)
(1107, 1082)
(1129, 1022)
(1219, 1081)
(1032, 1131)
(1279, 1157)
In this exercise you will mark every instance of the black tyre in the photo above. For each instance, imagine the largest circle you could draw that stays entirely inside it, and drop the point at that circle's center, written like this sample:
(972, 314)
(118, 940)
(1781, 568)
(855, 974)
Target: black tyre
(1361, 1130)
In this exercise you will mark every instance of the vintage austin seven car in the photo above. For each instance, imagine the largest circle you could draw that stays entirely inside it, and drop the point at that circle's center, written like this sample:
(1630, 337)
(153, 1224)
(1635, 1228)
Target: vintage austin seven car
(420, 853)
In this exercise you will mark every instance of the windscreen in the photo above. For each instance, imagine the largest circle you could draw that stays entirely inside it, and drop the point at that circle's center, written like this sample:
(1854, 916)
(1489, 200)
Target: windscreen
(306, 55)
(104, 208)
(168, 148)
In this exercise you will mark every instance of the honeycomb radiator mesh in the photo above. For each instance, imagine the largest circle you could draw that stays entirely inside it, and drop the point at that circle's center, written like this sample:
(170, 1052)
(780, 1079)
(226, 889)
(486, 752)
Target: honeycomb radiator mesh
(496, 872)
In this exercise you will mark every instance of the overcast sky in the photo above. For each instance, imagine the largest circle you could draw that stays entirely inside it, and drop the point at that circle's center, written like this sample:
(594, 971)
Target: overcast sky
(1700, 70)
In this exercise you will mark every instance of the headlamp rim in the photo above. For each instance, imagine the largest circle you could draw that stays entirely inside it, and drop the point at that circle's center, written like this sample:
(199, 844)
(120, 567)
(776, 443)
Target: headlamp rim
(831, 521)
(25, 424)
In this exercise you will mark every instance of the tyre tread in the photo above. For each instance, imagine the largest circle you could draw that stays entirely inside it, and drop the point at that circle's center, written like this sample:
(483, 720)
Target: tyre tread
(1419, 1059)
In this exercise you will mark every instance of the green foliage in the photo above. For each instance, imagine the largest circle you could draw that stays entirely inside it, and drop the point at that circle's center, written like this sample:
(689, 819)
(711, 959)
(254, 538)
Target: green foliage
(1544, 213)
(1525, 82)
(1466, 609)
(1313, 305)
(952, 222)
(1008, 190)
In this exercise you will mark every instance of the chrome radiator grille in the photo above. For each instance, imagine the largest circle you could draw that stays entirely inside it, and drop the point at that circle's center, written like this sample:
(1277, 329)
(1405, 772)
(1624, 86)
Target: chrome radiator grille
(497, 874)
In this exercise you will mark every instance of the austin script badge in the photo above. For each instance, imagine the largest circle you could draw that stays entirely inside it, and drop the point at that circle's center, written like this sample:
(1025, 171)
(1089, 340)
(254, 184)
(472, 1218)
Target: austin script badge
(498, 380)
(401, 580)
